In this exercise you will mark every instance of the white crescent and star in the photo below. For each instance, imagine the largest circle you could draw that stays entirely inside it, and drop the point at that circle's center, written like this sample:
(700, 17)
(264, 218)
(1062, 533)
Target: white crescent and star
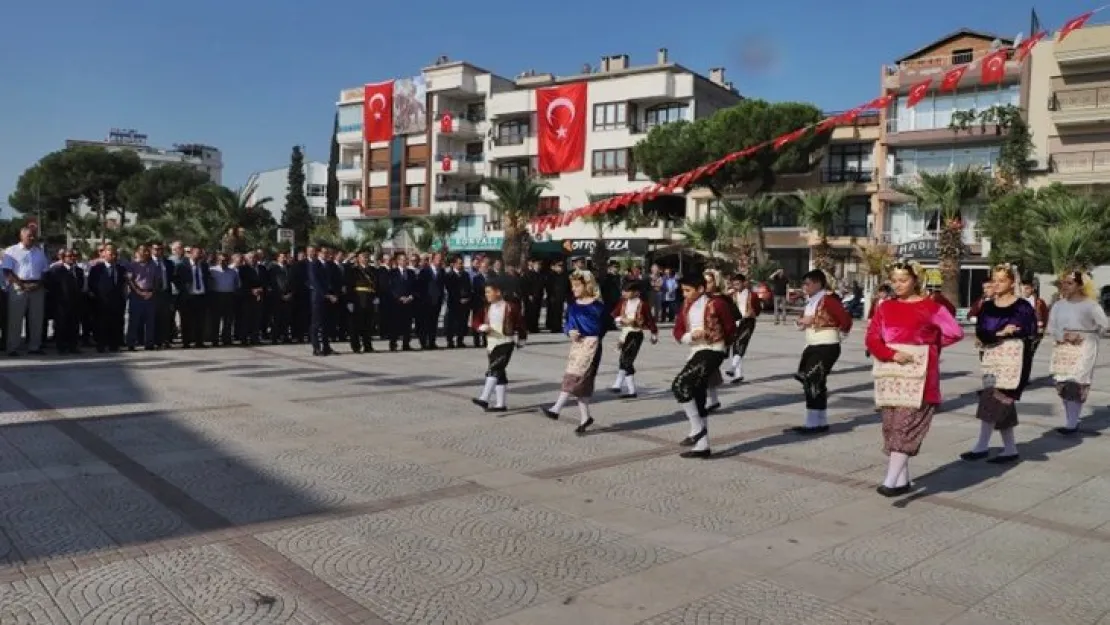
(995, 64)
(557, 103)
(377, 97)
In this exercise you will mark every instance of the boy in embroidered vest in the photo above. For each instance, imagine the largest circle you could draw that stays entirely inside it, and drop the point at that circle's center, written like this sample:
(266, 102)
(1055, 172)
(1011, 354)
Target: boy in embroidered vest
(632, 315)
(748, 307)
(706, 325)
(499, 322)
(826, 323)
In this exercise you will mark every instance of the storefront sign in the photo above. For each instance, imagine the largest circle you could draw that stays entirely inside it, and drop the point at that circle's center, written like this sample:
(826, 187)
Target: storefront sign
(615, 246)
(922, 249)
(474, 244)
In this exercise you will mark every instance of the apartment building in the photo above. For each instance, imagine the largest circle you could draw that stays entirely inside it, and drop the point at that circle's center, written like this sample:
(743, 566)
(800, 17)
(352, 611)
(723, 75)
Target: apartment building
(475, 124)
(849, 162)
(919, 139)
(274, 184)
(1069, 109)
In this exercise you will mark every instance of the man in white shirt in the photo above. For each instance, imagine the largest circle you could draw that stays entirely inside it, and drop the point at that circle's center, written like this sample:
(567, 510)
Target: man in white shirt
(24, 265)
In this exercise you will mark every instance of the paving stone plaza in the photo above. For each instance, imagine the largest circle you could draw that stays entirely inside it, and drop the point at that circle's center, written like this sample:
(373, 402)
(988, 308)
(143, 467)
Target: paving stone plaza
(265, 486)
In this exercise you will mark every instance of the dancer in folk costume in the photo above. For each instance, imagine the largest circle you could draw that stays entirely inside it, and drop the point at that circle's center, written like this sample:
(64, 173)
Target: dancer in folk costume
(1075, 323)
(707, 326)
(586, 324)
(826, 323)
(1006, 323)
(1029, 294)
(632, 315)
(503, 328)
(907, 330)
(747, 309)
(714, 287)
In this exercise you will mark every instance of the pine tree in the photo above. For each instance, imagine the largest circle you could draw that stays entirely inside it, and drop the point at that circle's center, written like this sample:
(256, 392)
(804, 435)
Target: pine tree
(297, 215)
(333, 165)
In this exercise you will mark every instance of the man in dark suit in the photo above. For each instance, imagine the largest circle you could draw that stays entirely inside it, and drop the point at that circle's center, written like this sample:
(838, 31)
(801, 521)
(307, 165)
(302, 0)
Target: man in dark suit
(165, 309)
(558, 291)
(300, 312)
(322, 295)
(478, 281)
(108, 292)
(458, 286)
(193, 280)
(337, 312)
(402, 289)
(279, 298)
(531, 291)
(431, 302)
(65, 283)
(249, 299)
(385, 297)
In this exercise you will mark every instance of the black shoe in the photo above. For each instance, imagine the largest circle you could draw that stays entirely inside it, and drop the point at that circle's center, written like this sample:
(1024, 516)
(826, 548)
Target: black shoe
(481, 403)
(581, 429)
(690, 441)
(549, 413)
(614, 390)
(804, 431)
(1068, 431)
(893, 491)
(737, 380)
(356, 350)
(392, 347)
(1004, 459)
(713, 408)
(497, 409)
(972, 456)
(703, 454)
(628, 396)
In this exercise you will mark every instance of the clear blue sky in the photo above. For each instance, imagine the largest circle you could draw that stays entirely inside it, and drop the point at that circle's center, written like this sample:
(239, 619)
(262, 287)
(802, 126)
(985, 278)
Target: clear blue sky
(255, 77)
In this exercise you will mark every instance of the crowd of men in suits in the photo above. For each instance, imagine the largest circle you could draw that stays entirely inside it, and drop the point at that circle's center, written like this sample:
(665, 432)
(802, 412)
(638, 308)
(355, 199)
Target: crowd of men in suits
(319, 296)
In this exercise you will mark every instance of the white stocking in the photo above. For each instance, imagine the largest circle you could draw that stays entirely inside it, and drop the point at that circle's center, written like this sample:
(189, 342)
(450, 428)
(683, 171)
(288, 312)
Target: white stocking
(487, 390)
(499, 393)
(583, 411)
(1009, 444)
(697, 422)
(1072, 410)
(904, 478)
(736, 365)
(630, 381)
(620, 380)
(712, 395)
(894, 469)
(822, 418)
(984, 442)
(560, 402)
(812, 419)
(703, 443)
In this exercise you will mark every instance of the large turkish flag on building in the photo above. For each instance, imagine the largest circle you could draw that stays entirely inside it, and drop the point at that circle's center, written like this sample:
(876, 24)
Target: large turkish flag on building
(561, 126)
(377, 112)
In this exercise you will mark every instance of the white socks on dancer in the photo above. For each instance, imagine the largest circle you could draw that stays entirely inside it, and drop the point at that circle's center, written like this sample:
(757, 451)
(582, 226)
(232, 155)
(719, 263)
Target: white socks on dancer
(487, 390)
(560, 402)
(737, 367)
(816, 418)
(1072, 411)
(897, 470)
(630, 382)
(1009, 444)
(619, 382)
(697, 424)
(711, 394)
(499, 393)
(583, 411)
(984, 442)
(822, 418)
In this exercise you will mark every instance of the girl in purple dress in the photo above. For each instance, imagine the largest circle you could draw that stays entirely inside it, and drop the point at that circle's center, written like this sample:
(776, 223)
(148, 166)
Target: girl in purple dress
(1005, 317)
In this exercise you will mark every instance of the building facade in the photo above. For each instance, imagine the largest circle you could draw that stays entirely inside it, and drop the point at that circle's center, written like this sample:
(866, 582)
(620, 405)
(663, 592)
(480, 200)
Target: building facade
(274, 184)
(1069, 109)
(478, 124)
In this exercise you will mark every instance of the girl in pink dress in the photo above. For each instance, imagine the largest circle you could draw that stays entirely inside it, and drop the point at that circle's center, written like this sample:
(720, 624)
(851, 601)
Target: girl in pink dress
(910, 318)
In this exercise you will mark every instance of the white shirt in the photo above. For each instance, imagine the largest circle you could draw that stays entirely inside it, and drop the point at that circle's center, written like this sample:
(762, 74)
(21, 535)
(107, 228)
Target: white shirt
(813, 302)
(743, 302)
(26, 263)
(196, 278)
(631, 308)
(695, 319)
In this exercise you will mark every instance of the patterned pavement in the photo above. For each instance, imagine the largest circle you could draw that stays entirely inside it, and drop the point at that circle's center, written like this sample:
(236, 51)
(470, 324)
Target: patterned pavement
(265, 486)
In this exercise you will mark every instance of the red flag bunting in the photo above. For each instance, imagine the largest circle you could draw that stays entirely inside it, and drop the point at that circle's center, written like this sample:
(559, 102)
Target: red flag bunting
(377, 112)
(952, 79)
(1074, 24)
(993, 67)
(789, 137)
(1027, 46)
(561, 128)
(880, 102)
(918, 92)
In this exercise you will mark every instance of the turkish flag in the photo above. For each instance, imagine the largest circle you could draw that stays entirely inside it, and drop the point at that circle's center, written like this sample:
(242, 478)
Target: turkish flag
(993, 69)
(446, 163)
(1074, 24)
(446, 124)
(377, 112)
(1027, 46)
(561, 126)
(951, 80)
(918, 92)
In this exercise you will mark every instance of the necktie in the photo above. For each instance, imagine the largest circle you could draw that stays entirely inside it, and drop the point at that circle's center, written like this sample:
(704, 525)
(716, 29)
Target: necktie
(112, 274)
(196, 278)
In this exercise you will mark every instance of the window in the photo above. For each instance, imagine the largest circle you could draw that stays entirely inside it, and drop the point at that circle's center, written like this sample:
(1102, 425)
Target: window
(476, 111)
(963, 55)
(549, 204)
(610, 162)
(664, 114)
(316, 190)
(610, 116)
(935, 111)
(909, 162)
(512, 169)
(513, 132)
(853, 222)
(319, 211)
(849, 163)
(414, 195)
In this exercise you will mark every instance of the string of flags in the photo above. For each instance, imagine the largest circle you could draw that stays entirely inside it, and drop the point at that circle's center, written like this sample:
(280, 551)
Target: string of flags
(992, 70)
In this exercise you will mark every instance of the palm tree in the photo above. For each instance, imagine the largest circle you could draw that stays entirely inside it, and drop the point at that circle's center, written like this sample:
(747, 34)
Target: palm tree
(820, 211)
(225, 216)
(516, 201)
(746, 217)
(740, 230)
(602, 223)
(373, 233)
(706, 235)
(1067, 233)
(440, 226)
(948, 196)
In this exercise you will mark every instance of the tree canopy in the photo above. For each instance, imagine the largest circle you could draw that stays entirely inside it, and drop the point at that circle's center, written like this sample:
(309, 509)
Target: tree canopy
(297, 216)
(145, 195)
(53, 186)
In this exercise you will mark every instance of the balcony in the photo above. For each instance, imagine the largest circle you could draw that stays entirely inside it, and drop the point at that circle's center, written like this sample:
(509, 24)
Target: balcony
(1087, 46)
(512, 145)
(902, 134)
(493, 226)
(461, 165)
(1080, 107)
(848, 176)
(349, 133)
(463, 125)
(907, 73)
(348, 172)
(1087, 167)
(348, 208)
(455, 202)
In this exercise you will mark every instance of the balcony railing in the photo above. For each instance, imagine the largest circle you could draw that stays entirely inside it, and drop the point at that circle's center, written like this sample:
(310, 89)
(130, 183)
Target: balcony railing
(848, 230)
(462, 157)
(349, 201)
(971, 235)
(864, 118)
(1068, 100)
(469, 116)
(511, 139)
(835, 176)
(491, 226)
(350, 128)
(348, 165)
(942, 60)
(458, 197)
(1086, 162)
